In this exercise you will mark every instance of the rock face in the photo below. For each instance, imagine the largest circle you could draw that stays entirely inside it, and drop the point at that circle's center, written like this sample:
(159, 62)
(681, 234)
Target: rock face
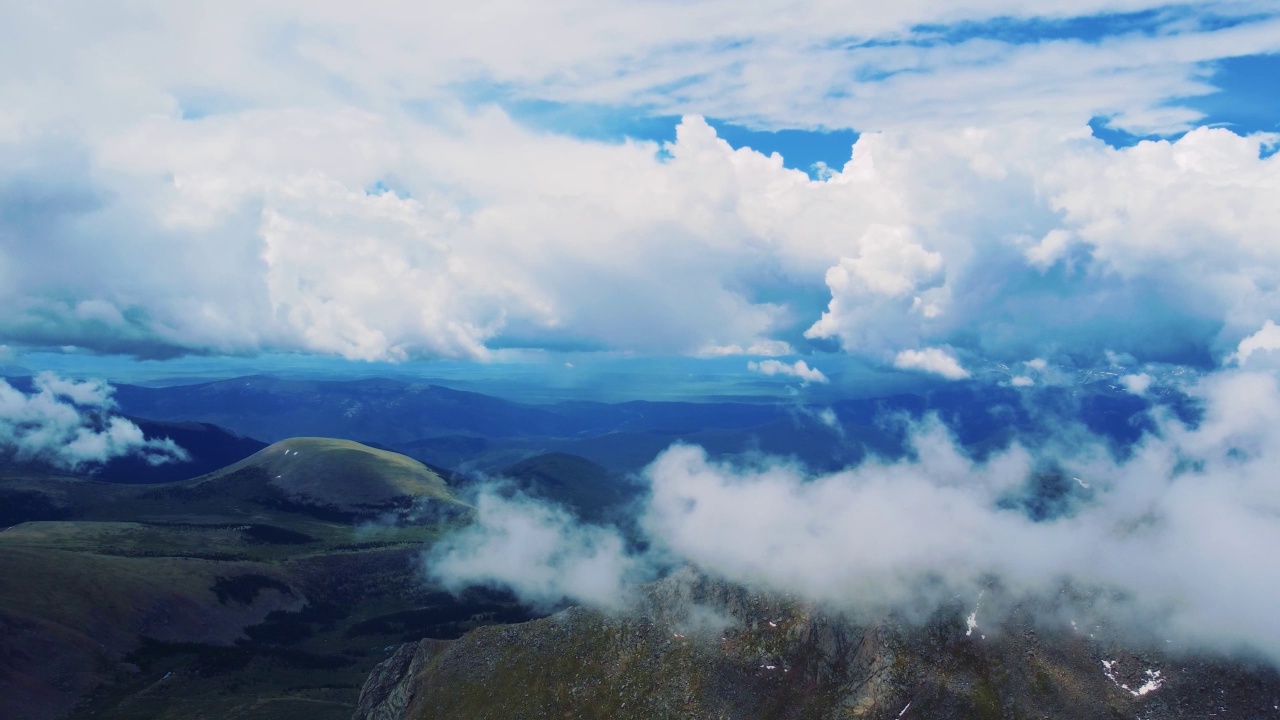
(698, 648)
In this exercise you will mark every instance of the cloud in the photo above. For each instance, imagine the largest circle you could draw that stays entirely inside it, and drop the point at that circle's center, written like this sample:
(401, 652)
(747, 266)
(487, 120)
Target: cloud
(1266, 340)
(1136, 383)
(799, 369)
(765, 348)
(258, 231)
(932, 360)
(1169, 532)
(367, 189)
(68, 424)
(538, 550)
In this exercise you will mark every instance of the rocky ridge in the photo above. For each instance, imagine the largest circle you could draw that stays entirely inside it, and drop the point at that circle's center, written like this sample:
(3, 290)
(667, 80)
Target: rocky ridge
(695, 647)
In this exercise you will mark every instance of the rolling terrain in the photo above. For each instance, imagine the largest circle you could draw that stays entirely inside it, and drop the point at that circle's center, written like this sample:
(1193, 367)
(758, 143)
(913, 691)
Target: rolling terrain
(268, 588)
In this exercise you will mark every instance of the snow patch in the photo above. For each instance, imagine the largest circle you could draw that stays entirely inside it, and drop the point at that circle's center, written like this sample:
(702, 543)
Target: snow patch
(1154, 680)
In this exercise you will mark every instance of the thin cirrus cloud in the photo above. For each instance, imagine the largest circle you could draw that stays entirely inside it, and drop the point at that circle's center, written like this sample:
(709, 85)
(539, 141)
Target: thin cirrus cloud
(316, 179)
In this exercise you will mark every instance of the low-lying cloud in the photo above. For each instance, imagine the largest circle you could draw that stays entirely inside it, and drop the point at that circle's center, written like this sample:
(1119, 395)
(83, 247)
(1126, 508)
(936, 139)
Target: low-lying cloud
(931, 360)
(1180, 527)
(799, 370)
(538, 550)
(68, 424)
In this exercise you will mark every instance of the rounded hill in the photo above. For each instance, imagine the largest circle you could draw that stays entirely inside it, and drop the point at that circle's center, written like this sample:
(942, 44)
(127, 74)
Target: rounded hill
(344, 475)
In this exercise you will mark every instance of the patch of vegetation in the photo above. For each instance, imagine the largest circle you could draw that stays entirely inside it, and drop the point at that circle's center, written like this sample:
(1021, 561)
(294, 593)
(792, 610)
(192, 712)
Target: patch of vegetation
(212, 660)
(272, 535)
(244, 589)
(17, 506)
(288, 628)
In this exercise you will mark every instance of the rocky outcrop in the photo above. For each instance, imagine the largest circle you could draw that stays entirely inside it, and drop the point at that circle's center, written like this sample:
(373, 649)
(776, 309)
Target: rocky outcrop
(391, 687)
(693, 647)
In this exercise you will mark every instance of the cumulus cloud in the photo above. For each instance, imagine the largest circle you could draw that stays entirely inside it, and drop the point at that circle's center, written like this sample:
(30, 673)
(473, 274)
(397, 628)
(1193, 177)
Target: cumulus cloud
(234, 233)
(931, 360)
(68, 423)
(799, 369)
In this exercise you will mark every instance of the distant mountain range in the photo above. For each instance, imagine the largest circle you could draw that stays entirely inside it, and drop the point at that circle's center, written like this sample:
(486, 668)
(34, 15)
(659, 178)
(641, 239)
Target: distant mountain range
(482, 433)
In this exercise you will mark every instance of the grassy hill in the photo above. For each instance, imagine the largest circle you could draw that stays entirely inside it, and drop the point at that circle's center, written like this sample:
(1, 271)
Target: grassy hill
(268, 588)
(341, 475)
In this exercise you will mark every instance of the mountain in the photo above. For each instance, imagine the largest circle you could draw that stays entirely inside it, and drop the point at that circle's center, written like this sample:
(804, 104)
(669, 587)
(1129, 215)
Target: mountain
(695, 647)
(388, 411)
(590, 491)
(474, 432)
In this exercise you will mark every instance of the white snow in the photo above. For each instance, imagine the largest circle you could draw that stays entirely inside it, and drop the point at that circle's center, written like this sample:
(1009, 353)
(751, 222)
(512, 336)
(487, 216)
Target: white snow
(1154, 680)
(904, 710)
(972, 620)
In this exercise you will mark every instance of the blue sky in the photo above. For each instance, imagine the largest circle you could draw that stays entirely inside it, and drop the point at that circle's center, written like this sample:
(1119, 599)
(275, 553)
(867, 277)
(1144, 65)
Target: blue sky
(507, 193)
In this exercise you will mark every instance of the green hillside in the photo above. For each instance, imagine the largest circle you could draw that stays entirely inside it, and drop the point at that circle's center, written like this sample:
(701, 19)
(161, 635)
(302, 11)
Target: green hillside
(269, 588)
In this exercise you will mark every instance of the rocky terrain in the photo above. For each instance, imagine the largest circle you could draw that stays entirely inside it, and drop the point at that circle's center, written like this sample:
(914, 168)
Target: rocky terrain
(693, 647)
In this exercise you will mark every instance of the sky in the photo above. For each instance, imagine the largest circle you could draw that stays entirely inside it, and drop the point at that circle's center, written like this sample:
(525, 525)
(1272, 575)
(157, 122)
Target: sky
(928, 190)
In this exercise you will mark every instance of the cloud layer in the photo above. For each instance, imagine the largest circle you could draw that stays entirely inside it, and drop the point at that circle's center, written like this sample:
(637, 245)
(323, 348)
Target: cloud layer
(68, 424)
(359, 183)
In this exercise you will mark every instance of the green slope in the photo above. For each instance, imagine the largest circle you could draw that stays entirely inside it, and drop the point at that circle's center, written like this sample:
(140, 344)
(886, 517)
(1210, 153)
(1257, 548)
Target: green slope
(266, 589)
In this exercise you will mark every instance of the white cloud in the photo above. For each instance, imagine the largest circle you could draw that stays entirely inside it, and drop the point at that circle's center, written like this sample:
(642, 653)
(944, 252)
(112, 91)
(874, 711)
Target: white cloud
(932, 360)
(799, 369)
(1267, 339)
(1137, 383)
(537, 550)
(255, 231)
(1022, 381)
(764, 348)
(1173, 540)
(68, 424)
